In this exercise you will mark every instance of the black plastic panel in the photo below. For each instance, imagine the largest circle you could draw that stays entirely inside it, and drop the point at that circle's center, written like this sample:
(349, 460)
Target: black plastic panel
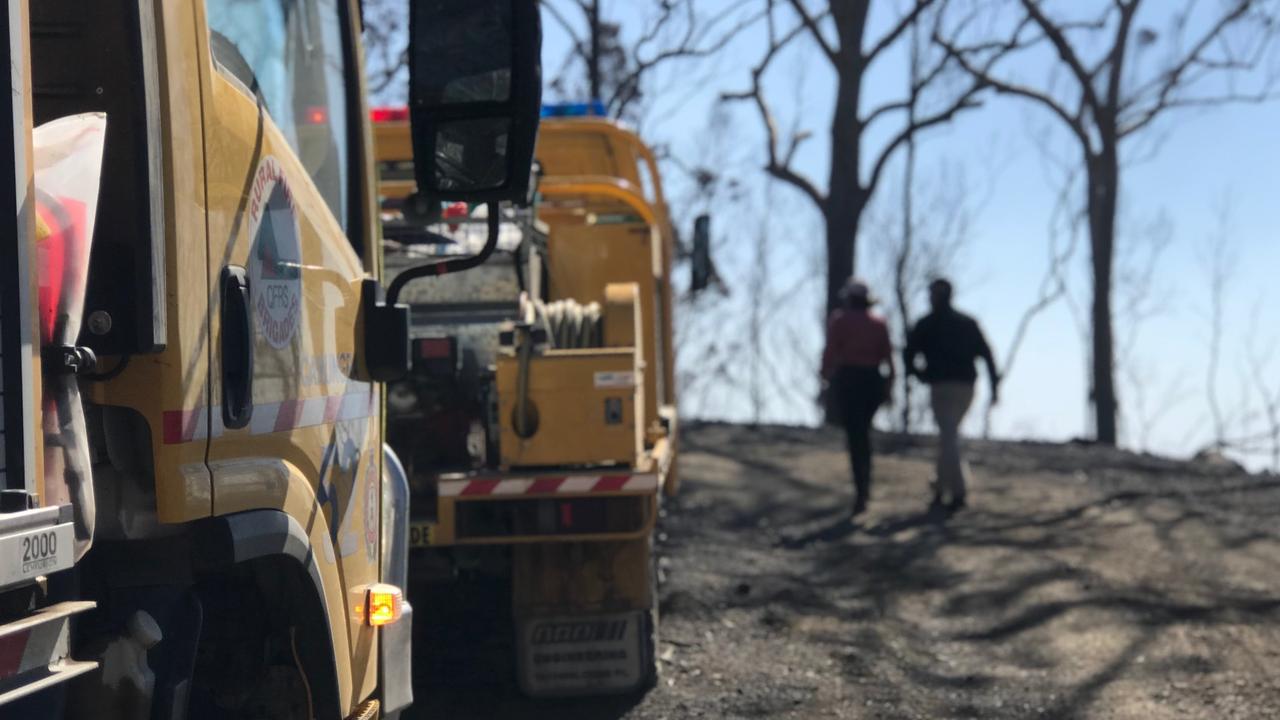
(101, 56)
(15, 417)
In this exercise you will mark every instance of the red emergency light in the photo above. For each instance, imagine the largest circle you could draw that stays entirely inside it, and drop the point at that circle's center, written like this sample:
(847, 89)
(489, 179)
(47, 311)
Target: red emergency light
(389, 114)
(435, 357)
(436, 348)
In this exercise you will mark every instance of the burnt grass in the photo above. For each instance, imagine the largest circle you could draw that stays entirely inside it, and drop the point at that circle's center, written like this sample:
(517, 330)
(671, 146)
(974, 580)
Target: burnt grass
(1080, 583)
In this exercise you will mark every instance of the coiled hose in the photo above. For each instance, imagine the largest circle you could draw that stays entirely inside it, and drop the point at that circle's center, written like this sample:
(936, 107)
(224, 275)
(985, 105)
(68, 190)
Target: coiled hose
(569, 325)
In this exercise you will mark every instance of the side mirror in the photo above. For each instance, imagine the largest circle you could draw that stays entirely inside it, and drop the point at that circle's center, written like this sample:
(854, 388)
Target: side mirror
(385, 356)
(475, 97)
(701, 260)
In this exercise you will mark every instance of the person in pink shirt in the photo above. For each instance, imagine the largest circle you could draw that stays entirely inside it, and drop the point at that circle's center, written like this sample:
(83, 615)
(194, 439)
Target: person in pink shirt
(857, 354)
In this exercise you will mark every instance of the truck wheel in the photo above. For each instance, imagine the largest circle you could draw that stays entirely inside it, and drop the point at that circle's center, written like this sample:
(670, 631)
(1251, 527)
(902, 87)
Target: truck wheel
(256, 659)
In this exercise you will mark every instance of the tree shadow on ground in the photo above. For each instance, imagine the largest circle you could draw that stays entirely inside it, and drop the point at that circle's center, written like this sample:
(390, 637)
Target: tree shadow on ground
(872, 578)
(503, 702)
(837, 528)
(842, 526)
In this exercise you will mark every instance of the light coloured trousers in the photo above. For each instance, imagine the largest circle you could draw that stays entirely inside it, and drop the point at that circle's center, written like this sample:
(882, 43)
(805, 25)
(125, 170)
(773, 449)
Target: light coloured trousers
(950, 402)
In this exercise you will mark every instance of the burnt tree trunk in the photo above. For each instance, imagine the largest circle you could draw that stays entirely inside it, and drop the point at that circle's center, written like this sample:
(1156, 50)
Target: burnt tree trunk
(843, 211)
(902, 294)
(1103, 190)
(846, 196)
(904, 317)
(593, 63)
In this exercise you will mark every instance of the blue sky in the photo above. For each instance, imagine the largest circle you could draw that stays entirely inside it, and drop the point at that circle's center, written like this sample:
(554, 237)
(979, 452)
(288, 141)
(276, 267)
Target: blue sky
(1206, 159)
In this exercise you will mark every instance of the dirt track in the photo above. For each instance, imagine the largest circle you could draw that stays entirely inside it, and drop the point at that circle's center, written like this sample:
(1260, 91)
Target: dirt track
(1079, 584)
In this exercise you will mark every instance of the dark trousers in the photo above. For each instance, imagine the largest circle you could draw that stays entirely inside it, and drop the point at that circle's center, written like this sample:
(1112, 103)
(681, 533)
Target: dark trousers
(860, 392)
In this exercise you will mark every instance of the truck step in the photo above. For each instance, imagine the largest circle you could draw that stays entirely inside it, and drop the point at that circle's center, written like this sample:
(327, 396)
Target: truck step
(34, 649)
(11, 522)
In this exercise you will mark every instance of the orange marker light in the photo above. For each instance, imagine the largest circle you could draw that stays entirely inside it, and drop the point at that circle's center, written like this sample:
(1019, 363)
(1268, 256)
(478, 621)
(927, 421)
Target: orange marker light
(383, 604)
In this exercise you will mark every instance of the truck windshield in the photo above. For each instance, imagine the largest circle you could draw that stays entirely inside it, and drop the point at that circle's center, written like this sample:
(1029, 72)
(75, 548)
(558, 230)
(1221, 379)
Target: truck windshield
(294, 53)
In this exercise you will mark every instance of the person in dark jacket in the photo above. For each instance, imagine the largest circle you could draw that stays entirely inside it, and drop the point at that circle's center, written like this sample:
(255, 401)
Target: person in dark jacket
(857, 348)
(951, 343)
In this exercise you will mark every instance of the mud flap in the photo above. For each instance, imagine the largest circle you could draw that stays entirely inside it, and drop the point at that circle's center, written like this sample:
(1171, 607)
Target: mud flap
(585, 617)
(395, 673)
(585, 654)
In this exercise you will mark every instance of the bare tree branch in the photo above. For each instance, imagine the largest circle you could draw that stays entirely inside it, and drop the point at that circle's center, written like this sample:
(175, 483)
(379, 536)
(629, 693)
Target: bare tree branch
(563, 22)
(964, 102)
(1053, 286)
(627, 88)
(917, 87)
(1259, 361)
(1004, 87)
(811, 22)
(1057, 37)
(1171, 80)
(891, 37)
(778, 164)
(1219, 267)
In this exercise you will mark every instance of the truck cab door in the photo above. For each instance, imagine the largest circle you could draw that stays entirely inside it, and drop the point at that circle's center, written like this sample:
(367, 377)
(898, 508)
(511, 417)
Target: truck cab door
(289, 244)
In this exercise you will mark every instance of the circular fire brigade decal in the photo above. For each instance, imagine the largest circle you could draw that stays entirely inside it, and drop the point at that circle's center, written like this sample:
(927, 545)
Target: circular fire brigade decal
(371, 511)
(275, 261)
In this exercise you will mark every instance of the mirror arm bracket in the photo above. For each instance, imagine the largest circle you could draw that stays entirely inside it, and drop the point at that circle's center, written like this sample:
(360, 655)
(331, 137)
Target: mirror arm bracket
(449, 266)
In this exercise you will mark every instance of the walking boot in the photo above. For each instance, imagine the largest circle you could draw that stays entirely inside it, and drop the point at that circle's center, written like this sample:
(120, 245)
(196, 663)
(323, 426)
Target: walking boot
(859, 506)
(936, 504)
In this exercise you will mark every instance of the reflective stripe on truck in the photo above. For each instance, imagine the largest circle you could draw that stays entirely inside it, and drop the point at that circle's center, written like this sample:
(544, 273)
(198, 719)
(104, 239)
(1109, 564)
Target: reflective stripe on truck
(34, 651)
(550, 485)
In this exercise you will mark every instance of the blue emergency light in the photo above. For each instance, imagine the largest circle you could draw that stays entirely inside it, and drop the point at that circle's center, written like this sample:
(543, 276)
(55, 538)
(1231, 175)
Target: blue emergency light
(594, 108)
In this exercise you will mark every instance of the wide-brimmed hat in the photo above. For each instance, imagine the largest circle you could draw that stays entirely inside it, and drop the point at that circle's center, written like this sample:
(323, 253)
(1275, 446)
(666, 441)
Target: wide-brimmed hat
(856, 289)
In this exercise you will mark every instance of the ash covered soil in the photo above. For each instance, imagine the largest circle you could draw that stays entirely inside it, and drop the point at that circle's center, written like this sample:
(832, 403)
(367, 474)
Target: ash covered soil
(1080, 583)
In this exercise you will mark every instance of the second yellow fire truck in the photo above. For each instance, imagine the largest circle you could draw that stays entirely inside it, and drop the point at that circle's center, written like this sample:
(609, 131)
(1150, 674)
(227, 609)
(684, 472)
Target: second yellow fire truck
(538, 424)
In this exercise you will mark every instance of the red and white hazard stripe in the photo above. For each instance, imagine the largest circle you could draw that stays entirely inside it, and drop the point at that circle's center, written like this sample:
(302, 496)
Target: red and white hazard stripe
(552, 485)
(181, 426)
(28, 649)
(37, 640)
(12, 648)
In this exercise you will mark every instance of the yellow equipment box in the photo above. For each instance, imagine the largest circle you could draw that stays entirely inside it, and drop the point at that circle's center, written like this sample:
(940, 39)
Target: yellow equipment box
(585, 407)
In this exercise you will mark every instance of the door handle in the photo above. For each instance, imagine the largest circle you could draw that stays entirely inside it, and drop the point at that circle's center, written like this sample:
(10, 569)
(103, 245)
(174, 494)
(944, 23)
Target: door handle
(237, 349)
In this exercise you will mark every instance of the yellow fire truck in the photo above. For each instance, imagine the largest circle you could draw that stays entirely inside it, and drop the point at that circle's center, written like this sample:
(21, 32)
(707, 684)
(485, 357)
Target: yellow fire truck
(538, 425)
(192, 359)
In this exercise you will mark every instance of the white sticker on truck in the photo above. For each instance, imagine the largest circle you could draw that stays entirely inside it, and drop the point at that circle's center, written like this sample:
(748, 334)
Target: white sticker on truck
(615, 379)
(580, 655)
(275, 265)
(29, 554)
